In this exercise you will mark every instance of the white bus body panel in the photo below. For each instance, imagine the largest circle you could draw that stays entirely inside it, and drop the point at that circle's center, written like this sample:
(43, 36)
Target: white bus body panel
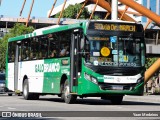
(27, 68)
(11, 76)
(35, 79)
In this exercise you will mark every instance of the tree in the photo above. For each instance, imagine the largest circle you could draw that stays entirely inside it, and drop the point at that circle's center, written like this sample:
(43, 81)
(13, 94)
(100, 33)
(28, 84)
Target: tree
(18, 29)
(72, 11)
(149, 62)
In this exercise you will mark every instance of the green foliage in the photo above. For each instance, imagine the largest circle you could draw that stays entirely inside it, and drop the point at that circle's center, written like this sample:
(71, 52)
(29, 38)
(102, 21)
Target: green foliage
(149, 62)
(72, 11)
(18, 29)
(95, 17)
(3, 46)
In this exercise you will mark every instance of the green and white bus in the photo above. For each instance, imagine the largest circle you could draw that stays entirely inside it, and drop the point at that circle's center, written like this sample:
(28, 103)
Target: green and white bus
(87, 59)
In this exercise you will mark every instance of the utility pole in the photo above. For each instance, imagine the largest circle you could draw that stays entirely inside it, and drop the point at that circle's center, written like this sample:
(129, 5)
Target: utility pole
(114, 15)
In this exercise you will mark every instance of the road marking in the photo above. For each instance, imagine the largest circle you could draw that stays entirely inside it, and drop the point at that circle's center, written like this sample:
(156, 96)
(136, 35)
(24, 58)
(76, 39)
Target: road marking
(11, 108)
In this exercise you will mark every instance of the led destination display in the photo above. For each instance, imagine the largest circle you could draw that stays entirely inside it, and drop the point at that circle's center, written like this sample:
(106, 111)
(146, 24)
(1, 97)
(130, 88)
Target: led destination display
(113, 27)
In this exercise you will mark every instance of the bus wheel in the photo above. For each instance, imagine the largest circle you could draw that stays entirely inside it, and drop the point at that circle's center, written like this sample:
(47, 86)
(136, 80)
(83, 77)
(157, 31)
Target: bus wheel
(26, 94)
(35, 96)
(9, 94)
(19, 94)
(62, 92)
(68, 98)
(116, 100)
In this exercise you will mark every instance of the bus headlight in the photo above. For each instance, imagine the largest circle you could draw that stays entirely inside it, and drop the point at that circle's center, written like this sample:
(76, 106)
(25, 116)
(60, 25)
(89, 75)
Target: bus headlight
(94, 80)
(90, 78)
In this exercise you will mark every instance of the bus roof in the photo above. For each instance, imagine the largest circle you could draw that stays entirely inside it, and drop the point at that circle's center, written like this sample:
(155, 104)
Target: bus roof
(57, 28)
(46, 30)
(116, 21)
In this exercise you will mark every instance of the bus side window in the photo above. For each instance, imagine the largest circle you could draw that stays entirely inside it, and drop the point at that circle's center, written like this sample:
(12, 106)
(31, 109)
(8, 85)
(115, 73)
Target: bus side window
(34, 49)
(53, 45)
(26, 49)
(11, 52)
(11, 57)
(65, 51)
(43, 47)
(65, 44)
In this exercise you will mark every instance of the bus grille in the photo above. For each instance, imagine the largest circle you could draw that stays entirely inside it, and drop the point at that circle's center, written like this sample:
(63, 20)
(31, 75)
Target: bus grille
(111, 86)
(125, 72)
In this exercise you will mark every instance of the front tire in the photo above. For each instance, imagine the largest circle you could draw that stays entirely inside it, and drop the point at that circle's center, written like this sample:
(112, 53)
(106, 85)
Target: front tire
(68, 98)
(116, 100)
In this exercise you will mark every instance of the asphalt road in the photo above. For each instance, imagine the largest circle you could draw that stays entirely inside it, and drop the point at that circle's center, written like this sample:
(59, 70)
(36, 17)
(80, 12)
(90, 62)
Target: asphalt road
(49, 107)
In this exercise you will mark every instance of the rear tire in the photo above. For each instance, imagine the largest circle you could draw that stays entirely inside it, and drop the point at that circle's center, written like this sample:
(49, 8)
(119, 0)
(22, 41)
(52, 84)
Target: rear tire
(68, 98)
(9, 94)
(35, 96)
(19, 94)
(62, 92)
(26, 94)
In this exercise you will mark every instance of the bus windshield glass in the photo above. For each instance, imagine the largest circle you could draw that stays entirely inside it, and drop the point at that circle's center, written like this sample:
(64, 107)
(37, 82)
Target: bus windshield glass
(113, 51)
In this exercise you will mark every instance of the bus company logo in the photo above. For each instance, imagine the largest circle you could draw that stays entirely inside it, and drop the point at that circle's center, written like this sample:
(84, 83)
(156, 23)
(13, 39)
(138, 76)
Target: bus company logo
(50, 67)
(108, 77)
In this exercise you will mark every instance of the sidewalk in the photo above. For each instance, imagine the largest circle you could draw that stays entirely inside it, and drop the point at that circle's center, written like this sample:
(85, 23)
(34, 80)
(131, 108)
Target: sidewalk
(148, 98)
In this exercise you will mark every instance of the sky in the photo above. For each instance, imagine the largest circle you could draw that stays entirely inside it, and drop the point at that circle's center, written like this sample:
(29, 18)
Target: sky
(12, 8)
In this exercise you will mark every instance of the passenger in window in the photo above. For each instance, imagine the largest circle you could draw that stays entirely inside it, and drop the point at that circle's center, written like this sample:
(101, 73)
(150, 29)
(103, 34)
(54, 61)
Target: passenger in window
(9, 58)
(12, 57)
(53, 53)
(23, 57)
(40, 55)
(65, 51)
(44, 54)
(26, 55)
(32, 56)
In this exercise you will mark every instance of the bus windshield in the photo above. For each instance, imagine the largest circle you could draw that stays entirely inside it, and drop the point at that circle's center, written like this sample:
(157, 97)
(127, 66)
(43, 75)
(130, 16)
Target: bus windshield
(122, 51)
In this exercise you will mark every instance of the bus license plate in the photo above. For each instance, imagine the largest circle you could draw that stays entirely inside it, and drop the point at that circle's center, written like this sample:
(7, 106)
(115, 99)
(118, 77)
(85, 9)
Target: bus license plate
(117, 87)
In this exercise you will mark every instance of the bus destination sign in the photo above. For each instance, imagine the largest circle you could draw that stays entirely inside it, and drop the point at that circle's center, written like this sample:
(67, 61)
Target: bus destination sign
(113, 27)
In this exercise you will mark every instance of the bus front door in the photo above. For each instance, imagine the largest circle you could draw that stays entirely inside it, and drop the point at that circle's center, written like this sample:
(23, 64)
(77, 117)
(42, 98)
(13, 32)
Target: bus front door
(74, 60)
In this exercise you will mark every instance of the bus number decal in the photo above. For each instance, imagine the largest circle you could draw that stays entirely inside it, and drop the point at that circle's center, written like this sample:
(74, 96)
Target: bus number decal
(51, 67)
